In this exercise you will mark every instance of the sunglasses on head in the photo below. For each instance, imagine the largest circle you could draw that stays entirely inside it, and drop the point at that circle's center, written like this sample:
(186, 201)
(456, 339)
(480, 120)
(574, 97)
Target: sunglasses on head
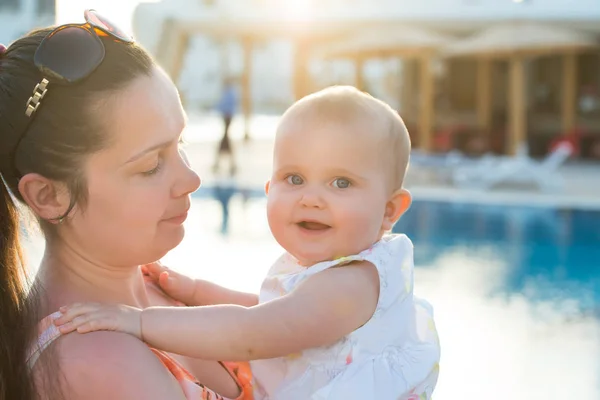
(72, 52)
(69, 54)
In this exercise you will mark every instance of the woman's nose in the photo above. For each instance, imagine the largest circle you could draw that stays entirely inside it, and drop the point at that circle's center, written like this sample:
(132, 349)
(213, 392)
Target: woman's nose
(188, 181)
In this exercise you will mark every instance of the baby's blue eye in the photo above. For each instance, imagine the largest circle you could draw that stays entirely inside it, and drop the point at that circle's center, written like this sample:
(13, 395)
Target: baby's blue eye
(341, 183)
(295, 180)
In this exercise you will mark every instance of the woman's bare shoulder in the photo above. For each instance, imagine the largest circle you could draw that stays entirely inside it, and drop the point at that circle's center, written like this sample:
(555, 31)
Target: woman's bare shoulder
(102, 365)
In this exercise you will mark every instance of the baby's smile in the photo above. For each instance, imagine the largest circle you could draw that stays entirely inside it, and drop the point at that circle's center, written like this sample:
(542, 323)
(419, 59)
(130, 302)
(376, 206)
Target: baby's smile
(313, 225)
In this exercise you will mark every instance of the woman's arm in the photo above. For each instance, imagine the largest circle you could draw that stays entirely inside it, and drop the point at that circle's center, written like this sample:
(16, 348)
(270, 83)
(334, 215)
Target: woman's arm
(320, 311)
(111, 365)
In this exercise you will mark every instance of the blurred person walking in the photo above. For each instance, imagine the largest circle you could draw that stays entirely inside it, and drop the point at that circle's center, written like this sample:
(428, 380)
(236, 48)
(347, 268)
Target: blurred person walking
(227, 107)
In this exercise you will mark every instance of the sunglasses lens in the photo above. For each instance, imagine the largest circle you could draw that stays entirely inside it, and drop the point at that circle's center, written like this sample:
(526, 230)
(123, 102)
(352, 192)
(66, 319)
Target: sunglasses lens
(70, 53)
(103, 23)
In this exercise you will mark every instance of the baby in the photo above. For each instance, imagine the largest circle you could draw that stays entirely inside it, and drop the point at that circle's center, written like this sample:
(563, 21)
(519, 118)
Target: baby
(336, 317)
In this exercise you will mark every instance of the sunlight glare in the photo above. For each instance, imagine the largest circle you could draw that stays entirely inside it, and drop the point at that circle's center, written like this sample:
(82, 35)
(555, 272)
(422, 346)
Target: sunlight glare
(297, 10)
(119, 12)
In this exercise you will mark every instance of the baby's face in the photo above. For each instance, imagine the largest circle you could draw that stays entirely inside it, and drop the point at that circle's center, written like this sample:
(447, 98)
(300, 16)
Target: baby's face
(328, 192)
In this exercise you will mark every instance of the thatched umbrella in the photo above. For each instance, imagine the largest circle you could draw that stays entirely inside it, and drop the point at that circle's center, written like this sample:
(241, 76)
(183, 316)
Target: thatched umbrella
(521, 38)
(403, 41)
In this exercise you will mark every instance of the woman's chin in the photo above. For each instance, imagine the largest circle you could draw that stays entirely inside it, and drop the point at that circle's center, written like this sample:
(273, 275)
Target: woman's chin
(169, 241)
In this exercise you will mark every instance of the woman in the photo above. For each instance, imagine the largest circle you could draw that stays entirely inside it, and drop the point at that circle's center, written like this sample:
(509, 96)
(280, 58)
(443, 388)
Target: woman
(94, 154)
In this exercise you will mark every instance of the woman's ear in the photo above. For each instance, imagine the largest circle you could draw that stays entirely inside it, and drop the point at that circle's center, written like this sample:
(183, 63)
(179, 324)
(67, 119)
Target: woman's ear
(397, 205)
(48, 199)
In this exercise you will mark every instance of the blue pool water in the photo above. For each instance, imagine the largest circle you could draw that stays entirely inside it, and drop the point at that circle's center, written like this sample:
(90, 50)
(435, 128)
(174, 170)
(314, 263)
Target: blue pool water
(550, 253)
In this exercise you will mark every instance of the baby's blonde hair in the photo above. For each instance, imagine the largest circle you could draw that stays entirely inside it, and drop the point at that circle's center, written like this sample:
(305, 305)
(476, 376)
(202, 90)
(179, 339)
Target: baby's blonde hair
(348, 105)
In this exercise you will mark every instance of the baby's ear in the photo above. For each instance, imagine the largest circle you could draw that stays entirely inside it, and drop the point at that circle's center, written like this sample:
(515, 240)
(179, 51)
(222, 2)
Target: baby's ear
(397, 205)
(267, 186)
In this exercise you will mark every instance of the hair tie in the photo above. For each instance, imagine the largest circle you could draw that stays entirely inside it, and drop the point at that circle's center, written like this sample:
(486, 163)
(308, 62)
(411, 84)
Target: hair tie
(3, 49)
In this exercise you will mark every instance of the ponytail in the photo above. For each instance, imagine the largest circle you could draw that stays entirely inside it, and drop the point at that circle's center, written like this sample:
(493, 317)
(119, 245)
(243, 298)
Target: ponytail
(15, 312)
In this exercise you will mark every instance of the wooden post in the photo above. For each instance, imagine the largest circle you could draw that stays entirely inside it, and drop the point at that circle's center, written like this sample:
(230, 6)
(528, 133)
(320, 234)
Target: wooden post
(426, 105)
(248, 44)
(516, 107)
(172, 48)
(569, 92)
(359, 73)
(410, 69)
(484, 94)
(300, 76)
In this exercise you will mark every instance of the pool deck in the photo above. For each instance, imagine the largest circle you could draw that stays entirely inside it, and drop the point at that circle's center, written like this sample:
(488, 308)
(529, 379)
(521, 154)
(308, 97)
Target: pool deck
(581, 188)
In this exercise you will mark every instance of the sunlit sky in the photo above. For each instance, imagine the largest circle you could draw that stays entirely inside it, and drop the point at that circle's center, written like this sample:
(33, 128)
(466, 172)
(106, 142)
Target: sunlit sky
(118, 11)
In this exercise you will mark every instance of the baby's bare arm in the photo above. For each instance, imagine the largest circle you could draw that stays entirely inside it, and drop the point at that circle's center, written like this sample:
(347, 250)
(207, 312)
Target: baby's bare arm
(209, 293)
(197, 292)
(319, 312)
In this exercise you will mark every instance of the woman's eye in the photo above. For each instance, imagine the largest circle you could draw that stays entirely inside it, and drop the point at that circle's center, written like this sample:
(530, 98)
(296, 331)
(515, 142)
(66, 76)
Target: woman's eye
(341, 183)
(295, 180)
(153, 171)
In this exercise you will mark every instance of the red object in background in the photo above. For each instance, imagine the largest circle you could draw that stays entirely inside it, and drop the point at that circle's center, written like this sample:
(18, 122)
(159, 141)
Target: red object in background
(573, 137)
(443, 139)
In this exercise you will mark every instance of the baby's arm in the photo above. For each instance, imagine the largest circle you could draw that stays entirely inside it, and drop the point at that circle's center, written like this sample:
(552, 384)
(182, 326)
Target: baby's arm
(320, 311)
(196, 292)
(209, 293)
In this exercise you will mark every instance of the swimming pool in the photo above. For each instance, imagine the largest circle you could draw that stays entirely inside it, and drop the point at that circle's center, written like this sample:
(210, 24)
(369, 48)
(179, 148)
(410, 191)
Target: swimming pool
(547, 253)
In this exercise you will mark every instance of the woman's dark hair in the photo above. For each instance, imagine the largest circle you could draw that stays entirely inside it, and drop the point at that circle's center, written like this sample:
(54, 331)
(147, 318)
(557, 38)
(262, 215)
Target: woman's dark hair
(67, 127)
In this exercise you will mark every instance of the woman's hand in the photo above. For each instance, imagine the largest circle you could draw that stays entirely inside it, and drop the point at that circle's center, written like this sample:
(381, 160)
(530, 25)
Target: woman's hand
(180, 287)
(89, 317)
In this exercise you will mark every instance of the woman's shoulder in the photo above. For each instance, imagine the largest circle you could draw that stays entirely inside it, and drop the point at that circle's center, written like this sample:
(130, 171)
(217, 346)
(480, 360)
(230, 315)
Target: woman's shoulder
(101, 343)
(114, 365)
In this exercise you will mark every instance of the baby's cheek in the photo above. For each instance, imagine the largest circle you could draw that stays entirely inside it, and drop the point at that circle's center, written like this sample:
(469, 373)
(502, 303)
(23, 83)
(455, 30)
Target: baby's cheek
(277, 216)
(276, 211)
(361, 225)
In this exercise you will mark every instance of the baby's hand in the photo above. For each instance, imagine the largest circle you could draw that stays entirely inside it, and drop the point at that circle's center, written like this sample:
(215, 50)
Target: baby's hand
(178, 286)
(89, 317)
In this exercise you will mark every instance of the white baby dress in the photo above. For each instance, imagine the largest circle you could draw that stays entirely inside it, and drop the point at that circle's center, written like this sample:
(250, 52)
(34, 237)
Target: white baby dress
(395, 355)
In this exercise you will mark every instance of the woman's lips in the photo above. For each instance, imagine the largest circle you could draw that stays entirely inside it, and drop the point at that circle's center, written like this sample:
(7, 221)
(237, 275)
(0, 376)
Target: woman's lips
(178, 219)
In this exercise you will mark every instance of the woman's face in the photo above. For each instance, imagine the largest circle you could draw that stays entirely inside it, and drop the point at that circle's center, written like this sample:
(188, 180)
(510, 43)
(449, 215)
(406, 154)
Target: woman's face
(139, 186)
